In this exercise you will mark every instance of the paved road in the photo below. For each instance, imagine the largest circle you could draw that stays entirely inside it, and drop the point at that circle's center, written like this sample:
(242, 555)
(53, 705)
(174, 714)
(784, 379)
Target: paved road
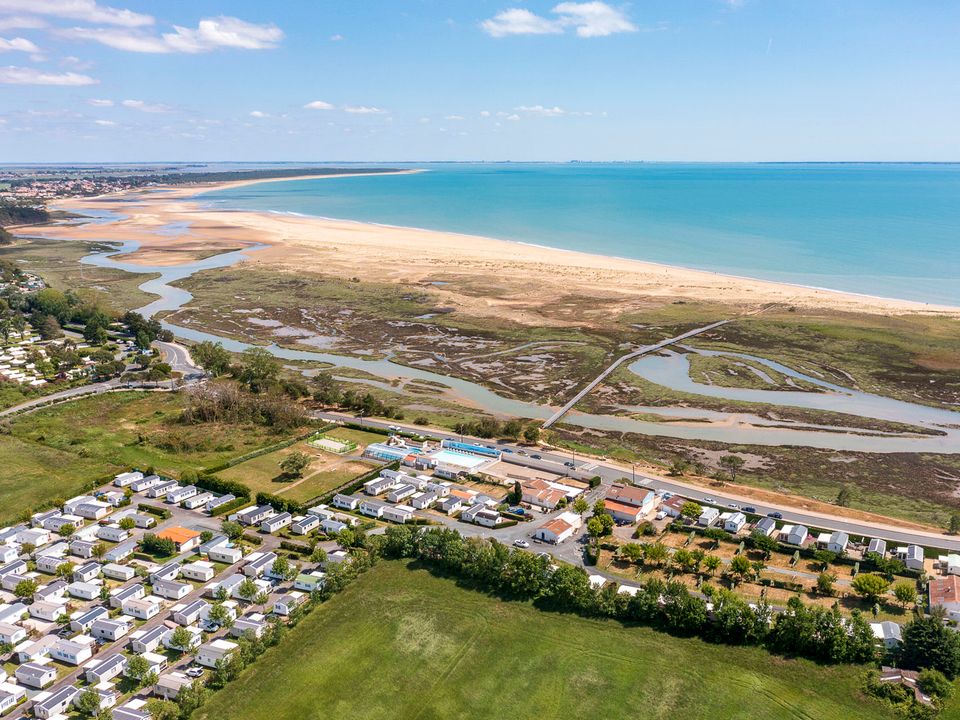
(609, 472)
(621, 360)
(179, 359)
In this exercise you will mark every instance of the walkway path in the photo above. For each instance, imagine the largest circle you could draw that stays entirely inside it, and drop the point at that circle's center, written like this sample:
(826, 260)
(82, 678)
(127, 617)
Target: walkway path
(620, 361)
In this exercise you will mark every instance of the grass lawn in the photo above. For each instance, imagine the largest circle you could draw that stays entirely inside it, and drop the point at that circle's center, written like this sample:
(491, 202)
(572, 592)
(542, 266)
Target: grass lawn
(33, 474)
(361, 437)
(325, 472)
(403, 644)
(62, 447)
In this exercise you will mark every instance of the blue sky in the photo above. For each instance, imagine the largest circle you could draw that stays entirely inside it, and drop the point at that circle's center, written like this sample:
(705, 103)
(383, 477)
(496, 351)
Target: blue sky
(371, 80)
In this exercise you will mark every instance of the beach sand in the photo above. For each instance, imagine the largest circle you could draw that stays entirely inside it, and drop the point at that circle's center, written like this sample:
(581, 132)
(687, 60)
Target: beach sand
(490, 277)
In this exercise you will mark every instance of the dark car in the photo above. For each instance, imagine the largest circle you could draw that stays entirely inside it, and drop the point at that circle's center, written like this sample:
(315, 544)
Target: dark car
(750, 509)
(537, 457)
(775, 515)
(569, 464)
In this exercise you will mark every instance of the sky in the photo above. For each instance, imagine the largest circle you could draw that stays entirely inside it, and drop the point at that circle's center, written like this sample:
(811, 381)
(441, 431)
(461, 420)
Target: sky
(395, 80)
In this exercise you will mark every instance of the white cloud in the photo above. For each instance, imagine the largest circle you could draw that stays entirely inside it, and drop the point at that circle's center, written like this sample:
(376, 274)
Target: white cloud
(336, 38)
(146, 107)
(259, 114)
(75, 62)
(209, 35)
(99, 102)
(11, 75)
(21, 22)
(84, 10)
(484, 113)
(594, 19)
(513, 117)
(424, 120)
(453, 117)
(519, 21)
(318, 105)
(363, 110)
(588, 19)
(105, 123)
(541, 110)
(18, 43)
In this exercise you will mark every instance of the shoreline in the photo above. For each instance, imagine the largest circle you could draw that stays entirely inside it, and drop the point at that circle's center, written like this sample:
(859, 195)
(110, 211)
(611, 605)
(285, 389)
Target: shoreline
(294, 237)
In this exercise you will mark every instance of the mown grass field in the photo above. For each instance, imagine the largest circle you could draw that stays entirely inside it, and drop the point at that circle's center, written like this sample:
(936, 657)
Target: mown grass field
(326, 472)
(54, 452)
(402, 644)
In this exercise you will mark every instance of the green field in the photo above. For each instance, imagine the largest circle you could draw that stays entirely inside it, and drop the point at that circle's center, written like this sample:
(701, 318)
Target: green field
(403, 644)
(326, 472)
(58, 450)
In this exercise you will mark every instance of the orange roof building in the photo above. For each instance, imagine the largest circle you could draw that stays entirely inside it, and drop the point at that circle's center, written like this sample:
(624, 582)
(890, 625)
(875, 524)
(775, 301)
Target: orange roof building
(183, 538)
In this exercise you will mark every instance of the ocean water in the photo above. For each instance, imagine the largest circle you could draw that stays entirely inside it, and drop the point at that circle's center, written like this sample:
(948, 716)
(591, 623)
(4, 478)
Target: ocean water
(890, 230)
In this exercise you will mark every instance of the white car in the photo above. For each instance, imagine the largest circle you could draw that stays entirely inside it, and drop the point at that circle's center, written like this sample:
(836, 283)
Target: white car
(194, 672)
(520, 543)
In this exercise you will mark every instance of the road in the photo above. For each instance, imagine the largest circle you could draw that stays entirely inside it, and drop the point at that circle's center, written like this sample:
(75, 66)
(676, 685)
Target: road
(626, 358)
(609, 472)
(174, 354)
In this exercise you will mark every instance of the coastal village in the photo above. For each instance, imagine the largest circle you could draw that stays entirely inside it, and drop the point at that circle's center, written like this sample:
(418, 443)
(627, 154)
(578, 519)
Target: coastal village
(147, 586)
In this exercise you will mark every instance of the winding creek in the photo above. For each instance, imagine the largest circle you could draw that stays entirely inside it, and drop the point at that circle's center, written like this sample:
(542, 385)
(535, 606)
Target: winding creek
(670, 370)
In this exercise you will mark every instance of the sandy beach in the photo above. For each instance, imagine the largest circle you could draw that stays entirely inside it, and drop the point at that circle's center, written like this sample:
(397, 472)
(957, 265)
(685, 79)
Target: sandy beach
(491, 276)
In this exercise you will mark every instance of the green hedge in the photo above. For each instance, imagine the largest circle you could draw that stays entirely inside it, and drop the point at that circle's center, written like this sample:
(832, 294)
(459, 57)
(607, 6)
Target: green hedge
(230, 506)
(352, 486)
(221, 486)
(265, 450)
(296, 547)
(278, 503)
(154, 510)
(253, 539)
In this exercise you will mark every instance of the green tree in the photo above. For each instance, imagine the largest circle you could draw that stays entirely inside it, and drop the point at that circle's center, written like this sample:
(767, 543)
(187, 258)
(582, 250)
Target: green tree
(732, 464)
(231, 529)
(905, 593)
(633, 552)
(220, 615)
(954, 523)
(870, 586)
(295, 463)
(259, 369)
(66, 530)
(740, 566)
(844, 496)
(282, 568)
(65, 569)
(25, 589)
(656, 553)
(137, 668)
(127, 523)
(157, 546)
(211, 357)
(88, 702)
(763, 542)
(248, 590)
(825, 582)
(531, 434)
(98, 551)
(163, 709)
(181, 639)
(580, 505)
(691, 509)
(319, 555)
(928, 643)
(935, 684)
(712, 563)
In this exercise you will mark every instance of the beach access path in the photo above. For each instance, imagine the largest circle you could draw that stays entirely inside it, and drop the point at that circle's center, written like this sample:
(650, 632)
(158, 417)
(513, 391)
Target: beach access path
(620, 361)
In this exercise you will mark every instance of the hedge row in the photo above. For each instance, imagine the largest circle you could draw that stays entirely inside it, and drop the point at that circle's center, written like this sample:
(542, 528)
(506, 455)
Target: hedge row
(278, 503)
(222, 486)
(296, 547)
(154, 510)
(230, 506)
(352, 486)
(265, 450)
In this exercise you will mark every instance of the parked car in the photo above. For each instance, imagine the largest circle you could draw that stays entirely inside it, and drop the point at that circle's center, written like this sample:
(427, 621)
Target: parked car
(537, 457)
(775, 515)
(521, 452)
(709, 500)
(521, 543)
(750, 509)
(194, 672)
(733, 506)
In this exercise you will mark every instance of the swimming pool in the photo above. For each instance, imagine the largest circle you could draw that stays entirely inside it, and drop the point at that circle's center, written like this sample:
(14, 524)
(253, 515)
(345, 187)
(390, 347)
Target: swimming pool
(448, 457)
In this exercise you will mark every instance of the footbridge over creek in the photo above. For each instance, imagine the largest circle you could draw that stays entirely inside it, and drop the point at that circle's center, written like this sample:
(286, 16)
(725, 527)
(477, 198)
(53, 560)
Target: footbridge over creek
(640, 352)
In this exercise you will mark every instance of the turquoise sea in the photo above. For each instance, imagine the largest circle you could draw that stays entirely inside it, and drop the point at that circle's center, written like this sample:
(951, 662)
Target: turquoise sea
(891, 230)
